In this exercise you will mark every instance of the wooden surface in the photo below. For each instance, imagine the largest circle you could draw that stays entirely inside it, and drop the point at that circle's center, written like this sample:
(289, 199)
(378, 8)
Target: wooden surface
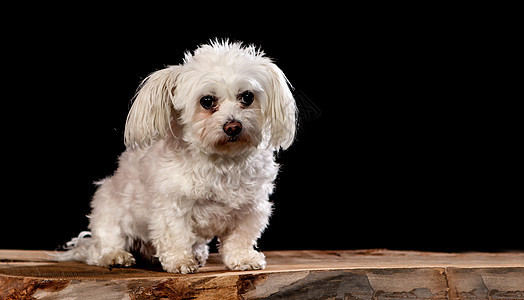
(359, 274)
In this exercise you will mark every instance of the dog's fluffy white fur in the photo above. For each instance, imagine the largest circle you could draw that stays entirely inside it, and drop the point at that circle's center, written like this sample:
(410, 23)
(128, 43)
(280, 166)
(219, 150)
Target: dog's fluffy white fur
(201, 138)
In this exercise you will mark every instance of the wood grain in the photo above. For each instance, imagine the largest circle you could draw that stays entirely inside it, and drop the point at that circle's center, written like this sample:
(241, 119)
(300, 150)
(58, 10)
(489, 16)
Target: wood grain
(358, 274)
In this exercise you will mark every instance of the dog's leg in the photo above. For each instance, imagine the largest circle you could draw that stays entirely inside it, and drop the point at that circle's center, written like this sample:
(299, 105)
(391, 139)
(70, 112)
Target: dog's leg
(173, 240)
(109, 242)
(201, 252)
(237, 245)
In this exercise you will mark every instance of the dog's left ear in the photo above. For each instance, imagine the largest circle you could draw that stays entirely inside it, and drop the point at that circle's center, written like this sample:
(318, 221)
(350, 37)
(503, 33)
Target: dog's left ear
(280, 110)
(150, 114)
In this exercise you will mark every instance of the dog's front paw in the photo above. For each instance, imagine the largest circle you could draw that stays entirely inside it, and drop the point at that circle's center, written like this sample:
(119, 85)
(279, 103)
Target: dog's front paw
(180, 265)
(117, 258)
(245, 260)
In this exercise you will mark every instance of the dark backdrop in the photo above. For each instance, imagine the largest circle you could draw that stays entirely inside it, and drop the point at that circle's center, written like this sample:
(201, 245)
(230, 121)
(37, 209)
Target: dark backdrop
(405, 141)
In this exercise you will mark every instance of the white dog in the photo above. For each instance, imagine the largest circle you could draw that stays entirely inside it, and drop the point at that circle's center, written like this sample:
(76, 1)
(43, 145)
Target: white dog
(201, 138)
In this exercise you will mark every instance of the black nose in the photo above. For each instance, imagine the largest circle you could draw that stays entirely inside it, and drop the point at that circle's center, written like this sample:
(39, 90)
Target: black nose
(233, 128)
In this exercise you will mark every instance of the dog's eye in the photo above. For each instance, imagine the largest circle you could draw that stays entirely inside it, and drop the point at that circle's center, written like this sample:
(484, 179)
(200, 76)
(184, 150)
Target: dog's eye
(208, 101)
(247, 98)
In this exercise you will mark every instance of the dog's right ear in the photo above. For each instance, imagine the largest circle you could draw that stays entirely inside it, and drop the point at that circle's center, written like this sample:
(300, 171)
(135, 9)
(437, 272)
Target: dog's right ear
(149, 116)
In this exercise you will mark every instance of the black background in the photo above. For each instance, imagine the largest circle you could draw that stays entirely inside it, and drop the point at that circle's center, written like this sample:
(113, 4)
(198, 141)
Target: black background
(405, 138)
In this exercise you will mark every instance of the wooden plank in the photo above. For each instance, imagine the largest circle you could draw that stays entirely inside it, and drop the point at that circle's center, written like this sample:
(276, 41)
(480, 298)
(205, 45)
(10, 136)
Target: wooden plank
(26, 255)
(360, 274)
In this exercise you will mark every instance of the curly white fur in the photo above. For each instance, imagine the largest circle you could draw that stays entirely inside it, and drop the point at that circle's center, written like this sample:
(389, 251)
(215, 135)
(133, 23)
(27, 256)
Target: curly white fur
(183, 179)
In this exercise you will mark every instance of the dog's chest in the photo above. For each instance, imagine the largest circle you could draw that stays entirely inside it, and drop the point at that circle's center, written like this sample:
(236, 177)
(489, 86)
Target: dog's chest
(231, 186)
(232, 183)
(212, 195)
(224, 195)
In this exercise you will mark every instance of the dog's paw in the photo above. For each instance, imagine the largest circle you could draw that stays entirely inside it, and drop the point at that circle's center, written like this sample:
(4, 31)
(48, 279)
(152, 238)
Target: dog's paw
(201, 253)
(117, 258)
(182, 265)
(245, 260)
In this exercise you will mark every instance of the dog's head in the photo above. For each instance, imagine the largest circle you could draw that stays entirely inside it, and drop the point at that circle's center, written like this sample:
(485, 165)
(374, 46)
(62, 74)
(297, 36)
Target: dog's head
(224, 99)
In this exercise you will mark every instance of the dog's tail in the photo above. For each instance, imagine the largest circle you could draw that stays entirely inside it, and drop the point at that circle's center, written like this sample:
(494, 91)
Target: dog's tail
(78, 249)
